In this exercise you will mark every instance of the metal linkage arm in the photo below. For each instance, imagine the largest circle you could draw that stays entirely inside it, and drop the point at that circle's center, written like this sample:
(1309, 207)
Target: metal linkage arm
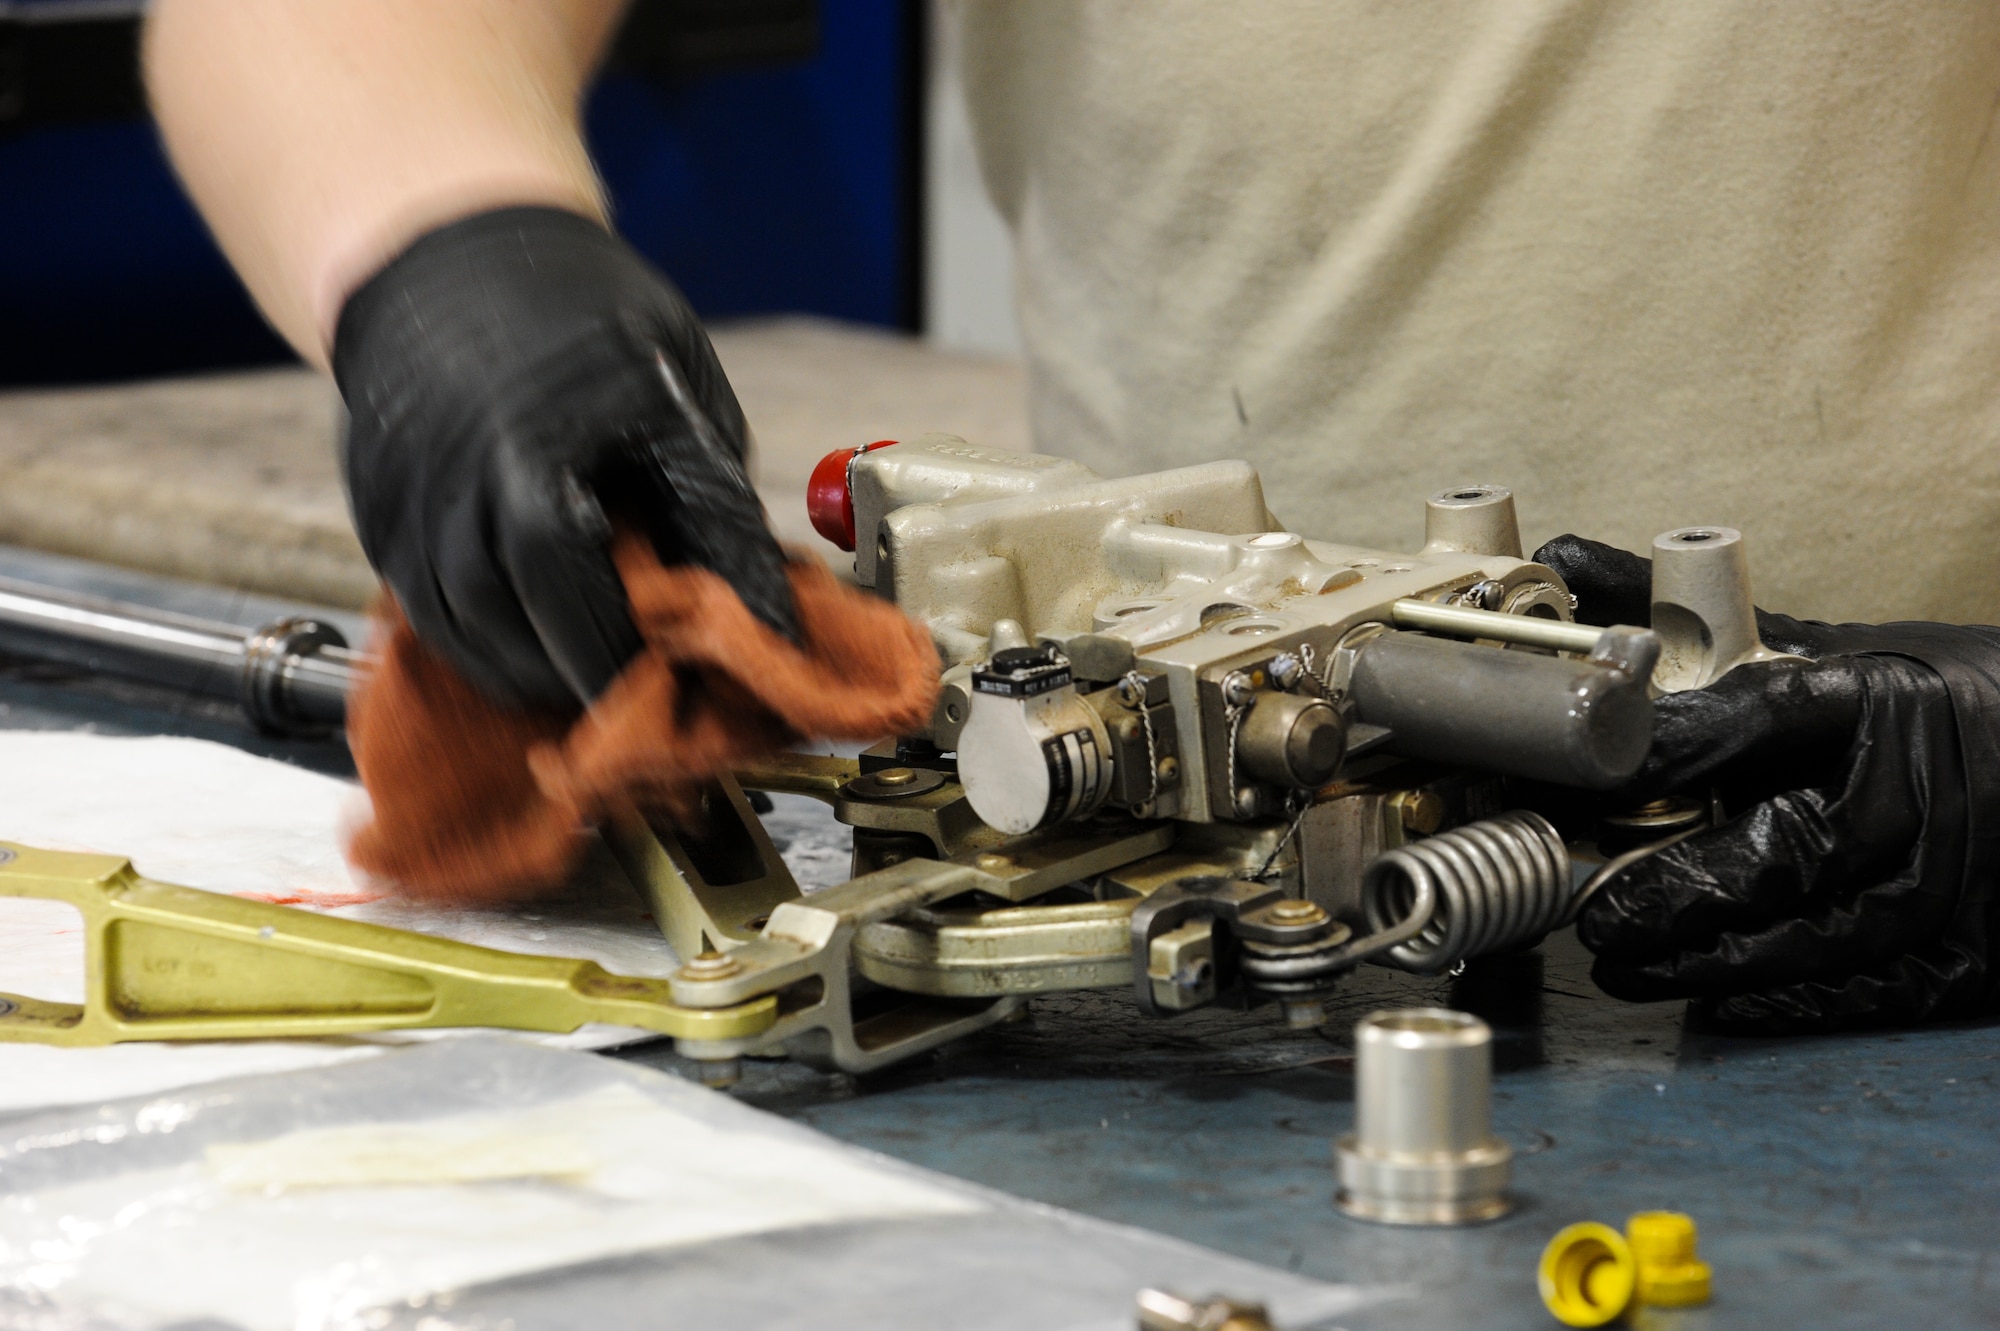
(174, 963)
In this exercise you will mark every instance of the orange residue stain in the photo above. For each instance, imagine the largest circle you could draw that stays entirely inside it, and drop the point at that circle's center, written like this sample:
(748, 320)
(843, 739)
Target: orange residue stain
(316, 900)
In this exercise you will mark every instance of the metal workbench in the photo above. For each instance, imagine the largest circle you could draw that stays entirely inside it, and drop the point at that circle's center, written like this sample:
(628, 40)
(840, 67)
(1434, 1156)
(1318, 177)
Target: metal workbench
(1839, 1181)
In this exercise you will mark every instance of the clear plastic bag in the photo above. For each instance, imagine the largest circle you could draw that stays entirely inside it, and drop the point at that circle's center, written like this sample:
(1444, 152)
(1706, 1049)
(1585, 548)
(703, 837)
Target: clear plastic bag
(491, 1183)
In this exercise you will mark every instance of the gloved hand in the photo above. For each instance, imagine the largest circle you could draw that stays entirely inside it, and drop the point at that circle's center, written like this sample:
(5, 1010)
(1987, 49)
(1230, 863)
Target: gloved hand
(514, 381)
(1854, 881)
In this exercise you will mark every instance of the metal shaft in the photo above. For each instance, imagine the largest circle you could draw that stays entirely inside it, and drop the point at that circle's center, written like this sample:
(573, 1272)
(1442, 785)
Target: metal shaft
(1465, 622)
(291, 675)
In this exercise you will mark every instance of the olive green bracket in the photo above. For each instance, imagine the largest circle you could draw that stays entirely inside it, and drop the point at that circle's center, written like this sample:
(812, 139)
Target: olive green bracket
(163, 962)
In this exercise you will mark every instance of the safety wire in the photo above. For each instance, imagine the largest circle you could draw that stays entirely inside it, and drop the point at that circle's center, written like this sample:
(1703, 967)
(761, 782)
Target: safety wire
(1135, 684)
(1300, 802)
(1232, 717)
(1318, 677)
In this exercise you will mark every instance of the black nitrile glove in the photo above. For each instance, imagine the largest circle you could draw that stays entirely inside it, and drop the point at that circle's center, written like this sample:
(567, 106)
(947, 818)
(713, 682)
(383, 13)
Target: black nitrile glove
(1854, 881)
(510, 380)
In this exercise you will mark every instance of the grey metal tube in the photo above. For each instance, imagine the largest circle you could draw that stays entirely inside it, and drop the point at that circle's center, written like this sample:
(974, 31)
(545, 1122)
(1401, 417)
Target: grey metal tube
(1576, 723)
(291, 676)
(155, 634)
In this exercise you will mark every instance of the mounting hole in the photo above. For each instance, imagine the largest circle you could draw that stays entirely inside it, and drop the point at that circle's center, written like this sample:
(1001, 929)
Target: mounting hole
(1397, 568)
(1469, 494)
(1222, 610)
(1134, 608)
(1254, 628)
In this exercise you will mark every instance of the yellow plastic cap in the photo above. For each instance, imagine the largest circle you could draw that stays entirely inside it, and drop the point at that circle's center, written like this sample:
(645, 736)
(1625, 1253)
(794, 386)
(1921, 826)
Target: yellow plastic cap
(1670, 1275)
(1588, 1275)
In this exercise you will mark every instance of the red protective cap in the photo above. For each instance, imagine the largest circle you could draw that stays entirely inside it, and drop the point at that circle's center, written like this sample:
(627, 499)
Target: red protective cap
(829, 503)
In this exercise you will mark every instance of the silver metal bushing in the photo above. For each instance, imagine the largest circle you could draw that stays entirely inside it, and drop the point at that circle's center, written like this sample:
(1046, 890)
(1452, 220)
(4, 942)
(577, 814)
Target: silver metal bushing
(1423, 1151)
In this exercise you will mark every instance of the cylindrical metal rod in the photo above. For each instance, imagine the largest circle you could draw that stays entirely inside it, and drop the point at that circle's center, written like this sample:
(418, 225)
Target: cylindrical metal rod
(103, 623)
(291, 676)
(1464, 622)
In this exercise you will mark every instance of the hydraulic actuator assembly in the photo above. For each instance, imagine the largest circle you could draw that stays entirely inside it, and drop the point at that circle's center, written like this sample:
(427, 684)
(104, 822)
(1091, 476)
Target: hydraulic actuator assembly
(1177, 749)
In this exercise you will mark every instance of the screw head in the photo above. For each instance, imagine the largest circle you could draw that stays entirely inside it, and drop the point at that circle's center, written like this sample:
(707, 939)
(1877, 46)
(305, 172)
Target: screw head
(1237, 688)
(895, 776)
(1170, 770)
(993, 861)
(1285, 670)
(1246, 801)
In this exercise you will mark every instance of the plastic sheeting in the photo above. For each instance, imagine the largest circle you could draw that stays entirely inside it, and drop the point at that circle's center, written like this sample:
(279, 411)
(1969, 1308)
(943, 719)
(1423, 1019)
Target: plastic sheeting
(491, 1183)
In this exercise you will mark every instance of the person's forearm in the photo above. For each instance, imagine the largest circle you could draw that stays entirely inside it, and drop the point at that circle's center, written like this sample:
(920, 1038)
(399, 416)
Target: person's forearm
(319, 137)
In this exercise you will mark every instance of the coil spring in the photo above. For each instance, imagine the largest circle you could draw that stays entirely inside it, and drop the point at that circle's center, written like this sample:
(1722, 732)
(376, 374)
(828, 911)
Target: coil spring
(1496, 885)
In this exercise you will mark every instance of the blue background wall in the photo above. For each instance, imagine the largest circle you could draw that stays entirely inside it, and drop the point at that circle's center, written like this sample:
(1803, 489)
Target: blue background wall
(759, 191)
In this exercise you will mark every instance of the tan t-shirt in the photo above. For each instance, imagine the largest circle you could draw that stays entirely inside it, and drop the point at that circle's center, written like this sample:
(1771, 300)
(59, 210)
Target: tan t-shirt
(1650, 264)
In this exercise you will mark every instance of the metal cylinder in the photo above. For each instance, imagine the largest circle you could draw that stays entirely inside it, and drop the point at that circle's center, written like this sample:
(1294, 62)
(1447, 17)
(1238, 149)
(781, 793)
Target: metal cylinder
(1423, 1151)
(1473, 520)
(291, 676)
(1575, 723)
(1292, 740)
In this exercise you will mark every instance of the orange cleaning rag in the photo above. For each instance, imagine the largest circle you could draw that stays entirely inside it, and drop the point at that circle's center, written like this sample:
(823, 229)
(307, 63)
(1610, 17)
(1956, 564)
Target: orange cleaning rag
(475, 802)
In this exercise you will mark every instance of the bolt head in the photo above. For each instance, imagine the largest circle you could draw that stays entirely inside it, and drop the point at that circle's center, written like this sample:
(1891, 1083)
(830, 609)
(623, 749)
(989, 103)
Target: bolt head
(1246, 801)
(1170, 770)
(1421, 811)
(711, 965)
(895, 776)
(1297, 912)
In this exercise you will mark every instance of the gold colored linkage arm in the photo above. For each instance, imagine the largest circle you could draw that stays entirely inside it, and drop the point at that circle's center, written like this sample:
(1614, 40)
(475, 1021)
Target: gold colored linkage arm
(817, 775)
(173, 963)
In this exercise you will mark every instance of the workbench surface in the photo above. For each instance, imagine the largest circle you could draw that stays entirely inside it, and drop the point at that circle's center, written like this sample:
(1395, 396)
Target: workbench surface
(1846, 1181)
(1839, 1181)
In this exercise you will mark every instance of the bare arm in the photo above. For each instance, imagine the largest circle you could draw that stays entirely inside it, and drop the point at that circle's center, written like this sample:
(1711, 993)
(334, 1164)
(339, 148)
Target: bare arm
(319, 137)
